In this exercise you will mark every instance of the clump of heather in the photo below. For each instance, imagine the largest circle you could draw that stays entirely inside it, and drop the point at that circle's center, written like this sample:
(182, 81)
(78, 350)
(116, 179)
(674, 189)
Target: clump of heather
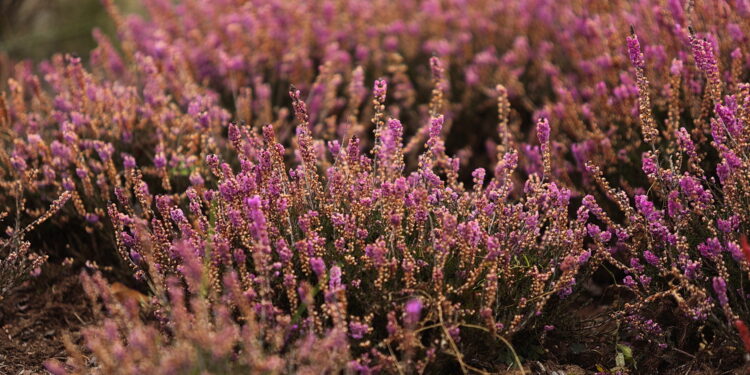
(343, 251)
(678, 239)
(562, 60)
(195, 330)
(17, 260)
(83, 134)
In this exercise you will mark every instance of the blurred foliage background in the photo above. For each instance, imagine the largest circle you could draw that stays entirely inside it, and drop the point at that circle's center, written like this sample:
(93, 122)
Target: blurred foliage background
(36, 29)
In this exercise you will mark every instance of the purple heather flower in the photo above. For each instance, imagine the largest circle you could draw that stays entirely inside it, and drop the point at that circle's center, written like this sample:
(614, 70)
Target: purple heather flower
(212, 160)
(728, 117)
(436, 127)
(81, 173)
(720, 287)
(104, 150)
(645, 206)
(636, 264)
(732, 160)
(380, 89)
(634, 51)
(734, 249)
(334, 147)
(691, 186)
(127, 239)
(729, 224)
(649, 164)
(710, 248)
(160, 161)
(18, 163)
(593, 230)
(318, 266)
(395, 126)
(674, 207)
(650, 258)
(34, 139)
(645, 280)
(478, 174)
(628, 281)
(676, 67)
(455, 333)
(358, 330)
(235, 217)
(177, 215)
(735, 31)
(723, 171)
(335, 278)
(584, 257)
(234, 133)
(542, 131)
(128, 161)
(691, 269)
(413, 310)
(136, 257)
(239, 256)
(677, 10)
(376, 252)
(196, 179)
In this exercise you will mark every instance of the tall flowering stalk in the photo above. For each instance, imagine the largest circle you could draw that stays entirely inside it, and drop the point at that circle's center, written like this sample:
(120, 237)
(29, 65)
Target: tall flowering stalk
(648, 125)
(542, 133)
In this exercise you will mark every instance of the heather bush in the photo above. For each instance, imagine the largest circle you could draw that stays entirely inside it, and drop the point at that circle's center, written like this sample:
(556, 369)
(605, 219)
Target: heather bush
(397, 270)
(679, 242)
(17, 260)
(203, 334)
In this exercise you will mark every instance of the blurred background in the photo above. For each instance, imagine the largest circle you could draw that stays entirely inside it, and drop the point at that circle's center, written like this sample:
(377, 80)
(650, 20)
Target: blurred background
(36, 29)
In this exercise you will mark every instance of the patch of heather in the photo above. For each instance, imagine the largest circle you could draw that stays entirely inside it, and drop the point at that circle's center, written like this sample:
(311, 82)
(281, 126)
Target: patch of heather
(395, 268)
(395, 187)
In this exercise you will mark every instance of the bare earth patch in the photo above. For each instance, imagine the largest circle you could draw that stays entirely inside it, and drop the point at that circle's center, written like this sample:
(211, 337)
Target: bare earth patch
(33, 319)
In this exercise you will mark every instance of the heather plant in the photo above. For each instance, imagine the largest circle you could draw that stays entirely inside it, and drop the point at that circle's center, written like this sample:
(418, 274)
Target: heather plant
(679, 242)
(17, 260)
(399, 271)
(75, 138)
(203, 334)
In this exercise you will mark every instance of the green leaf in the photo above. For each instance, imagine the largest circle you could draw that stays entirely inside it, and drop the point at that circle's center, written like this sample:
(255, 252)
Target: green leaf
(626, 351)
(620, 360)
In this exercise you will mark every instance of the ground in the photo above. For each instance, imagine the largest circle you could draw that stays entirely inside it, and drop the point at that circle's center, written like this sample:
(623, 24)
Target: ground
(34, 317)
